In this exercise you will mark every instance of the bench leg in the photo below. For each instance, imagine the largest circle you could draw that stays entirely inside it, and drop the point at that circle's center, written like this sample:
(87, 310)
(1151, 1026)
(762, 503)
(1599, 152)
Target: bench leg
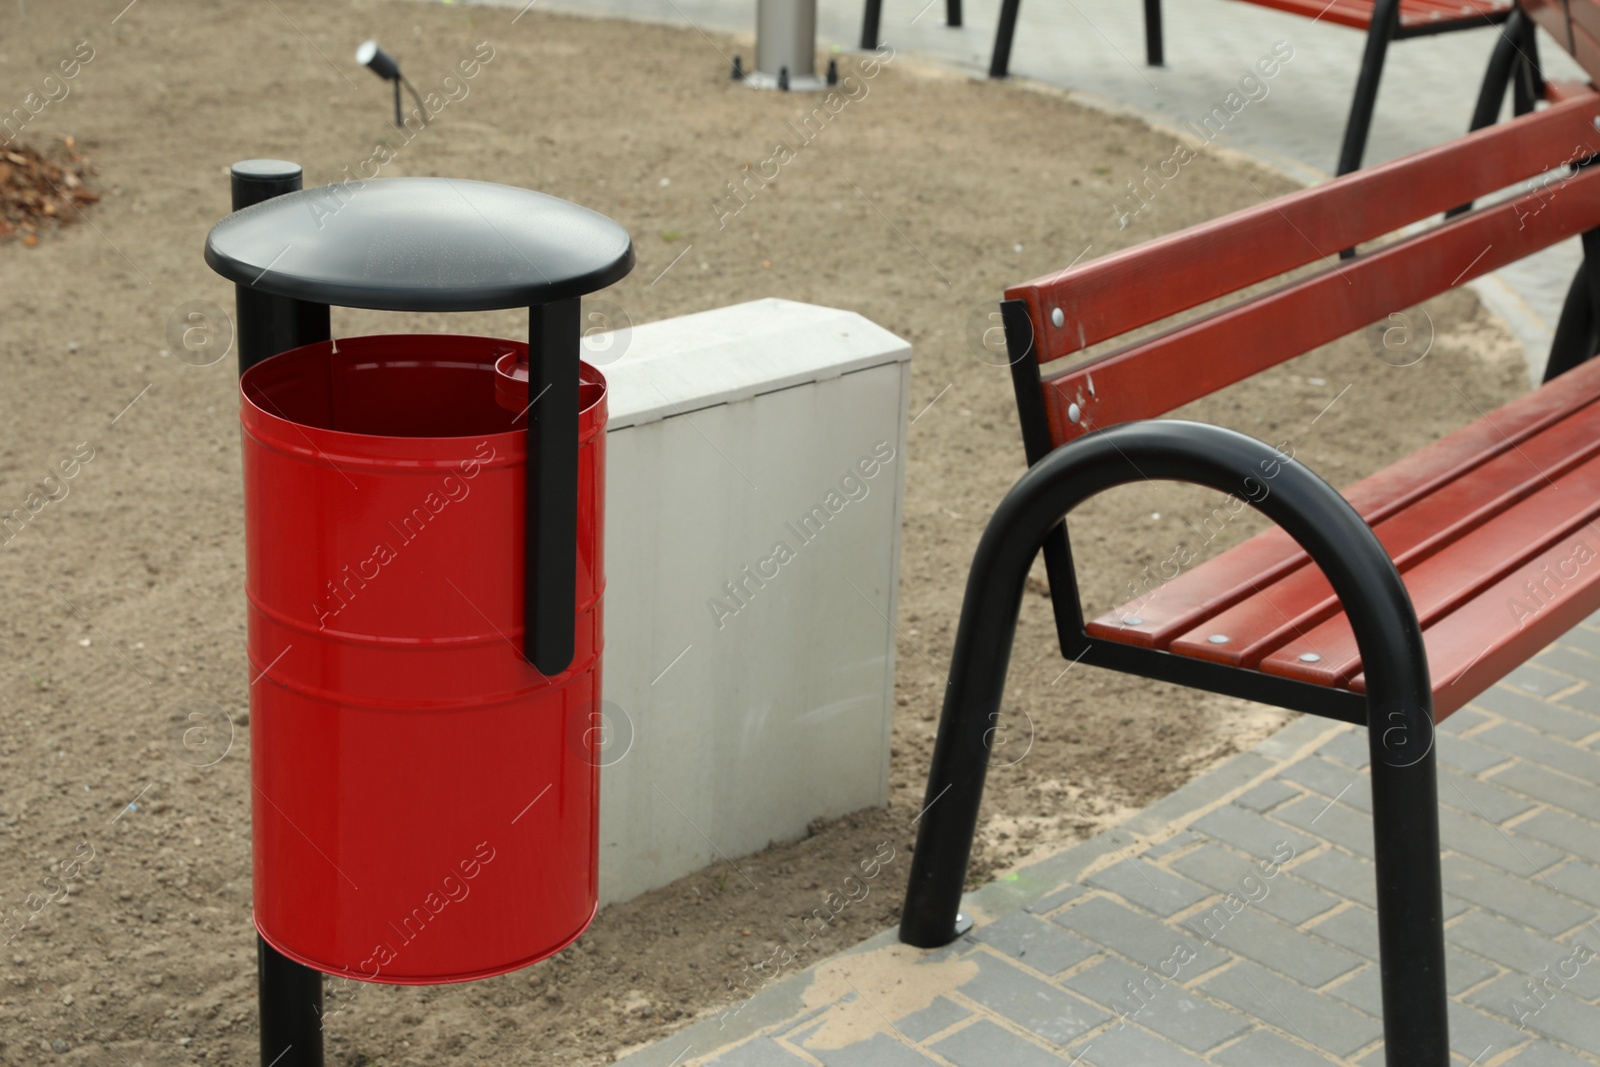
(1578, 329)
(869, 25)
(1528, 86)
(1002, 38)
(1385, 21)
(952, 13)
(1405, 825)
(290, 1002)
(1503, 64)
(1154, 54)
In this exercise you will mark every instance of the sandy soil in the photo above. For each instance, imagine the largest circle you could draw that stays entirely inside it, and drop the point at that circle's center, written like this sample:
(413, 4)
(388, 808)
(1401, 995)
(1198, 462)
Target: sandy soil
(924, 197)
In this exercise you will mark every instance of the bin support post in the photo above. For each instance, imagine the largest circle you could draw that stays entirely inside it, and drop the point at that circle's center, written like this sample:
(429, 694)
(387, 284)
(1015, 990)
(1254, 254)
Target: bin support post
(270, 324)
(289, 995)
(551, 575)
(291, 1009)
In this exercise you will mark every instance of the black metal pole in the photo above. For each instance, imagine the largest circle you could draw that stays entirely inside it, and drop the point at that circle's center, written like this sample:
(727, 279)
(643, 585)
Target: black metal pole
(1154, 53)
(869, 25)
(291, 1010)
(1399, 697)
(1001, 60)
(1385, 21)
(952, 13)
(289, 994)
(270, 324)
(551, 572)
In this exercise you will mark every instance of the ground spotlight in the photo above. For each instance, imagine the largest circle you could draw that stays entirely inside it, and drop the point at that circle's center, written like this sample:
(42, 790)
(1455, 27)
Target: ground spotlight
(385, 66)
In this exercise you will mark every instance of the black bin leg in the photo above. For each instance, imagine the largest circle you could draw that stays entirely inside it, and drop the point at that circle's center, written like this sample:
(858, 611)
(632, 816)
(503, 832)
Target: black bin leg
(291, 1009)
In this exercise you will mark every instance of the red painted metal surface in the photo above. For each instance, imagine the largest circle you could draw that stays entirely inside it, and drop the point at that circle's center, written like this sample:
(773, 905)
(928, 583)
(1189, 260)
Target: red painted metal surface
(424, 801)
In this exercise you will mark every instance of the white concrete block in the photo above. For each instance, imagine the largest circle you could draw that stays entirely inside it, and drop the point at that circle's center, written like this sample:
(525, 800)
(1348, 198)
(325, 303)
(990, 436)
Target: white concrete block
(755, 473)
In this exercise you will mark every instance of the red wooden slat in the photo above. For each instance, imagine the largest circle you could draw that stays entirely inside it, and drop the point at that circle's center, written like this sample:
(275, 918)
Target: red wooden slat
(1107, 297)
(1499, 549)
(1183, 602)
(1296, 604)
(1196, 359)
(1356, 13)
(1471, 649)
(1558, 89)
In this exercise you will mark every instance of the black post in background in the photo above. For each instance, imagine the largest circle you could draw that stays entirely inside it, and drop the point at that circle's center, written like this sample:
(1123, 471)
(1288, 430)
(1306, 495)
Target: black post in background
(289, 994)
(869, 25)
(1154, 54)
(269, 324)
(952, 13)
(551, 572)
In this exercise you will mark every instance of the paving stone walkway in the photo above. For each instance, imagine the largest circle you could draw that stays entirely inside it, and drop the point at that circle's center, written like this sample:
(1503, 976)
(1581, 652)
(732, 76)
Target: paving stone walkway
(1232, 922)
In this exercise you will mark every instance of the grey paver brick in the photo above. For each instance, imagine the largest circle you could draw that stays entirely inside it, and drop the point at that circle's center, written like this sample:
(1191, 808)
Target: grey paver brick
(1577, 879)
(1497, 891)
(1537, 680)
(1362, 990)
(1562, 1017)
(879, 1050)
(1463, 719)
(1065, 895)
(1546, 1055)
(1481, 798)
(1290, 1007)
(1581, 638)
(942, 1014)
(1586, 699)
(1334, 822)
(1041, 945)
(762, 1052)
(1559, 790)
(1502, 941)
(1128, 1046)
(1563, 831)
(1349, 748)
(1570, 662)
(1176, 843)
(1266, 796)
(1345, 876)
(1250, 833)
(1289, 899)
(1278, 947)
(1468, 755)
(1356, 929)
(983, 1044)
(1149, 886)
(1541, 748)
(1151, 1001)
(1262, 1048)
(1036, 1006)
(1536, 712)
(1352, 787)
(1506, 849)
(1142, 940)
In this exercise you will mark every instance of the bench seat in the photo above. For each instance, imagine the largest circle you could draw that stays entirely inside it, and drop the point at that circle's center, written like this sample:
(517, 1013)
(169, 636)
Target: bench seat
(1417, 17)
(1492, 529)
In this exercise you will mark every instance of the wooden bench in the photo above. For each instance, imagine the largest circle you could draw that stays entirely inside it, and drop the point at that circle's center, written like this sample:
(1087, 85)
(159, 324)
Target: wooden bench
(1384, 21)
(1389, 607)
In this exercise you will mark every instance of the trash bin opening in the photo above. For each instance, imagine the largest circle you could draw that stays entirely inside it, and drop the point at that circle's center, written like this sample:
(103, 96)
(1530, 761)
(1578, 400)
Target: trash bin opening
(396, 385)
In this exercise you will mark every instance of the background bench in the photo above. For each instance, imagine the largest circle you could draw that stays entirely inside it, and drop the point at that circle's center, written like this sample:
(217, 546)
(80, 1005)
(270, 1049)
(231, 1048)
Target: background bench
(1384, 20)
(1386, 607)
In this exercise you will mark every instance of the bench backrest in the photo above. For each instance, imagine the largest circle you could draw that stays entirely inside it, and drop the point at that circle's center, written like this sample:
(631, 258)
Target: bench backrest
(1106, 298)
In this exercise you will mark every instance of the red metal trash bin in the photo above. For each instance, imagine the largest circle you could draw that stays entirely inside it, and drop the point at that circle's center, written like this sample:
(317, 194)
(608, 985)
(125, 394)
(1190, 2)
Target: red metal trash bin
(424, 580)
(424, 799)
